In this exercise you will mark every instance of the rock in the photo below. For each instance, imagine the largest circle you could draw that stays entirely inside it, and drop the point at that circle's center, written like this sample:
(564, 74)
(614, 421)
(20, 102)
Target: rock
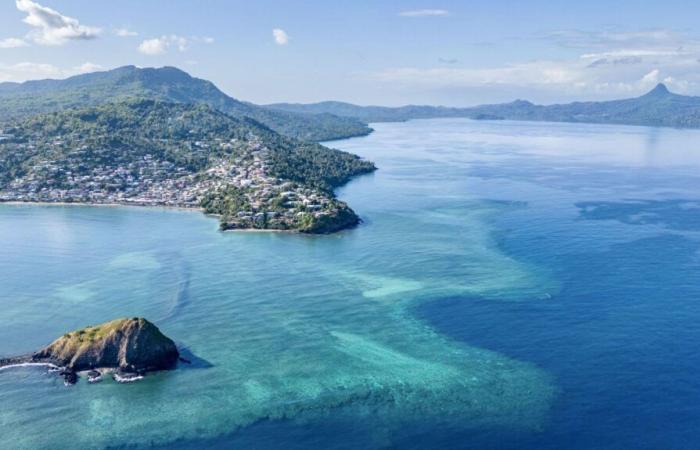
(94, 376)
(69, 376)
(131, 345)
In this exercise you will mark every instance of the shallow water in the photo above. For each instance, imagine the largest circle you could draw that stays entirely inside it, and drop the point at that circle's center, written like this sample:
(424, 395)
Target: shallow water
(514, 285)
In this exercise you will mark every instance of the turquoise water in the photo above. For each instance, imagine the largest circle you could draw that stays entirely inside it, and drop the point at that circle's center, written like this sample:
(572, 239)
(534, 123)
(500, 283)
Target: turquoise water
(514, 285)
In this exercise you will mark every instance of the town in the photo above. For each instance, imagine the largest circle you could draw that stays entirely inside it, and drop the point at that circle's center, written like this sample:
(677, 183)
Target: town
(269, 202)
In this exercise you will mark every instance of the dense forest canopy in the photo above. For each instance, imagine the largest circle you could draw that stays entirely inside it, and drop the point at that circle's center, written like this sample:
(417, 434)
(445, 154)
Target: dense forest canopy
(170, 84)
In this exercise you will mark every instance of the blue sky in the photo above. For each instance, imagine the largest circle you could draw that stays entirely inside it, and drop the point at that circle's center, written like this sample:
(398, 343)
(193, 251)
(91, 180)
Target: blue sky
(368, 52)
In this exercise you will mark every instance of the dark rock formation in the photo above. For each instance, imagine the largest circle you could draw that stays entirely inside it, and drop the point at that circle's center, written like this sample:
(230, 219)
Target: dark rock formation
(69, 376)
(129, 345)
(14, 360)
(94, 376)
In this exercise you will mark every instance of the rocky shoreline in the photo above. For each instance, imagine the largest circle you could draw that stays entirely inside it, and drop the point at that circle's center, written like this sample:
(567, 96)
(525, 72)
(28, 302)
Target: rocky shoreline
(71, 376)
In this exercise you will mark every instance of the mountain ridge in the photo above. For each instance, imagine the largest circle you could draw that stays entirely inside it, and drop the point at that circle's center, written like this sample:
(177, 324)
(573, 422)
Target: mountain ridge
(19, 100)
(658, 107)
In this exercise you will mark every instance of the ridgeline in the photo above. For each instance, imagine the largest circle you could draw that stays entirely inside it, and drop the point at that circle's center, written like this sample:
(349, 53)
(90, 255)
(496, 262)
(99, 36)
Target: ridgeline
(659, 107)
(169, 84)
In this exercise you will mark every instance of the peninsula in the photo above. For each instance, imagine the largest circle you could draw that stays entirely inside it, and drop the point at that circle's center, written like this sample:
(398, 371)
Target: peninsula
(147, 152)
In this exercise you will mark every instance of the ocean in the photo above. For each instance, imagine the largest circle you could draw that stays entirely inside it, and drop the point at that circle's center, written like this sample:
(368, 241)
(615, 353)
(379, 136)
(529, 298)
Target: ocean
(512, 285)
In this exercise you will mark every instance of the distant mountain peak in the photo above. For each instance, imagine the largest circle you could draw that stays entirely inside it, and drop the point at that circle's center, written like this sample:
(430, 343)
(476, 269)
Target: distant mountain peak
(658, 91)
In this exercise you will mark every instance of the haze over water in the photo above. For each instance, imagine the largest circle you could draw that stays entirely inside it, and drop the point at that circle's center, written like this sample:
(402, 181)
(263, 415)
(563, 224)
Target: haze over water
(514, 285)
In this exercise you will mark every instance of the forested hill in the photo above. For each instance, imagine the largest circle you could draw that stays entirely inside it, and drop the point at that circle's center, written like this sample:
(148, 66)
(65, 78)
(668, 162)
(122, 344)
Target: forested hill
(373, 113)
(148, 152)
(659, 107)
(169, 84)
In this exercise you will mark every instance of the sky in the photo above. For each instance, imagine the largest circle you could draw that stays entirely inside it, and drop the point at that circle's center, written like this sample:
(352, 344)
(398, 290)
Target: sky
(440, 52)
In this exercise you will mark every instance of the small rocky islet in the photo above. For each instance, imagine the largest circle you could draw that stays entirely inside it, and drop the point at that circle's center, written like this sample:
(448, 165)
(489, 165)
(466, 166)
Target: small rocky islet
(128, 347)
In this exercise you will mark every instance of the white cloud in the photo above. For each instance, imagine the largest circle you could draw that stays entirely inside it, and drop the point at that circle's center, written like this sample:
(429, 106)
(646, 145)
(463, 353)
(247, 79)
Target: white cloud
(180, 42)
(12, 43)
(633, 53)
(281, 37)
(535, 73)
(87, 67)
(51, 27)
(425, 13)
(155, 46)
(158, 46)
(24, 71)
(161, 45)
(678, 85)
(28, 71)
(562, 77)
(125, 32)
(613, 39)
(609, 65)
(650, 79)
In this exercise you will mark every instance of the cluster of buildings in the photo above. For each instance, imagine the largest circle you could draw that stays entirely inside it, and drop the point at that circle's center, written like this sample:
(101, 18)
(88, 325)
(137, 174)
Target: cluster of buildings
(271, 202)
(150, 181)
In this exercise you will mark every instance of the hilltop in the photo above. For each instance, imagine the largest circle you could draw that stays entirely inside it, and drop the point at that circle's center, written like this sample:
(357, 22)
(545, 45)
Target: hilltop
(149, 152)
(659, 107)
(19, 100)
(132, 345)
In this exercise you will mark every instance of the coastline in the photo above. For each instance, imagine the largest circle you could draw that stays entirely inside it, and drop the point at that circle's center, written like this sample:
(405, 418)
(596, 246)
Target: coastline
(349, 136)
(323, 230)
(173, 208)
(29, 364)
(103, 205)
(54, 368)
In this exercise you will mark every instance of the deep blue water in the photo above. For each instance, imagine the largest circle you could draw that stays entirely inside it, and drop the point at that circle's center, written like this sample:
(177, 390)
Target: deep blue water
(619, 337)
(514, 285)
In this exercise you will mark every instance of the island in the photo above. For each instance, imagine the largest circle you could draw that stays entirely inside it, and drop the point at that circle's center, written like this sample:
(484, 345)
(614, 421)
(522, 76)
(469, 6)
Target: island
(149, 152)
(128, 347)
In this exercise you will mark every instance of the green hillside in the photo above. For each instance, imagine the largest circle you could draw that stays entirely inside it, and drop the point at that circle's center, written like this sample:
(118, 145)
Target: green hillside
(148, 152)
(170, 84)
